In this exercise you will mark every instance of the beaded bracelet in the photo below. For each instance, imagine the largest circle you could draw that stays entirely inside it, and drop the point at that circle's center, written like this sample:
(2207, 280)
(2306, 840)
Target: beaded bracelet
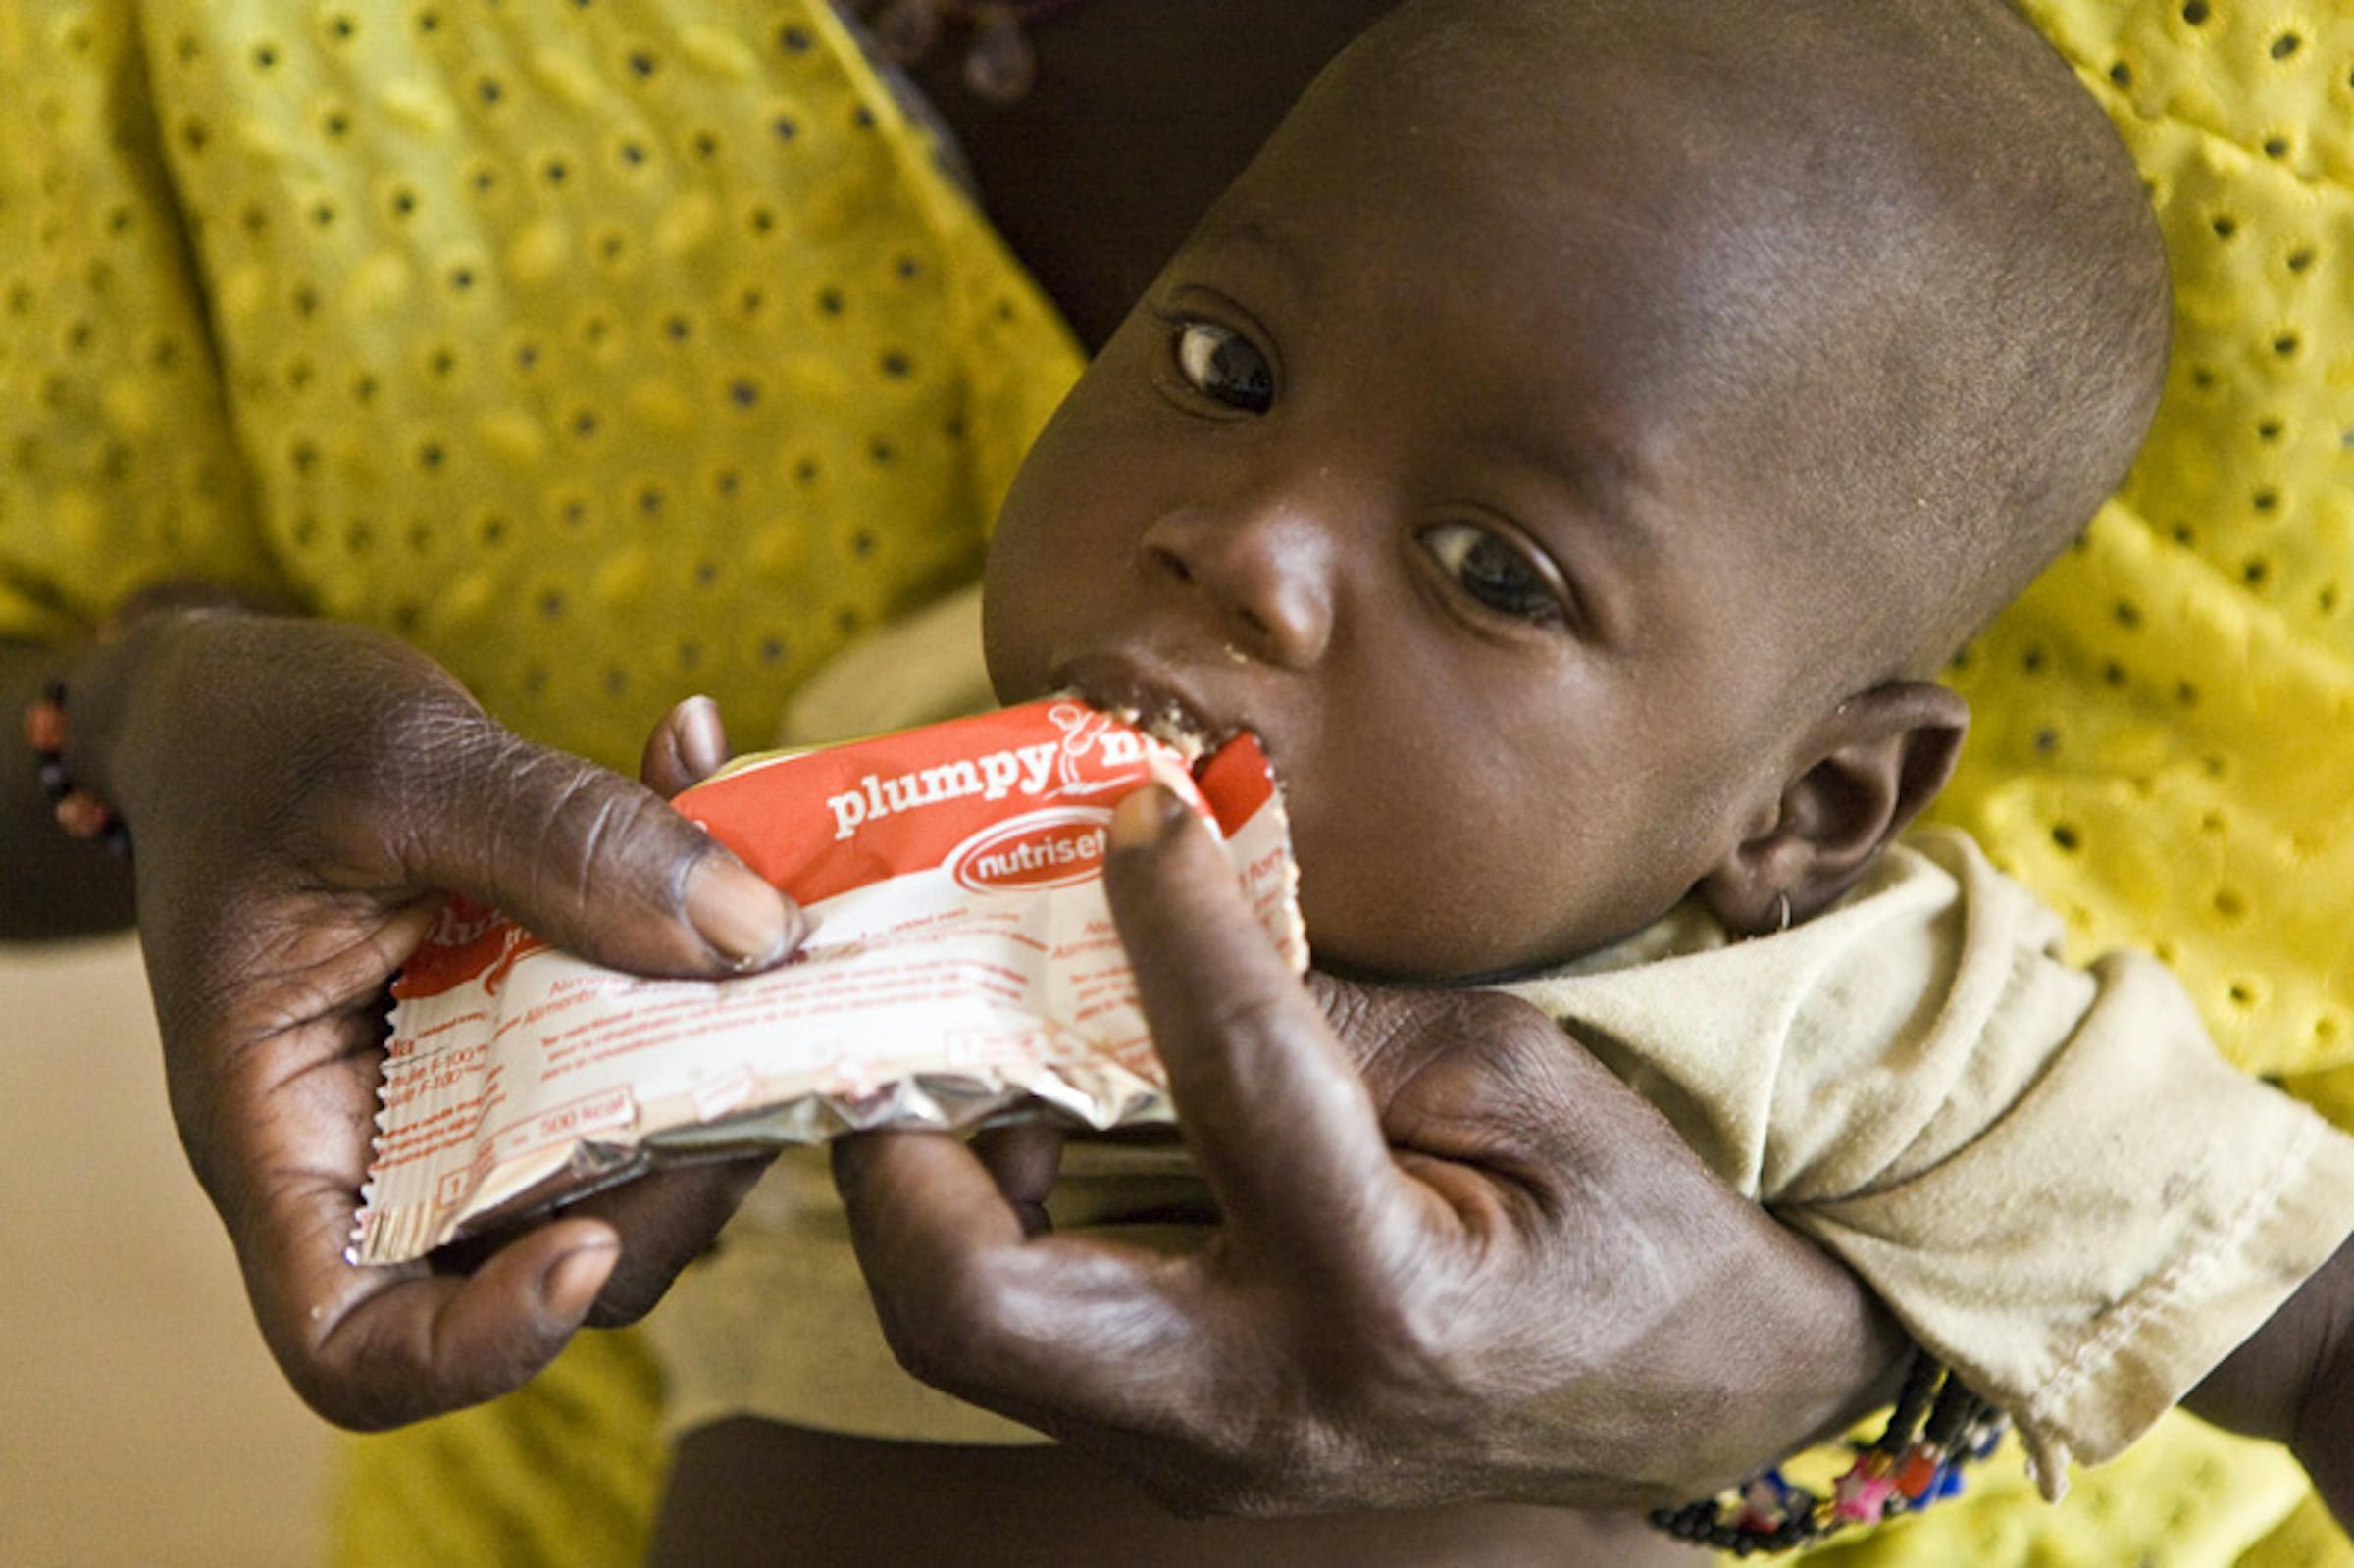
(1937, 1426)
(79, 812)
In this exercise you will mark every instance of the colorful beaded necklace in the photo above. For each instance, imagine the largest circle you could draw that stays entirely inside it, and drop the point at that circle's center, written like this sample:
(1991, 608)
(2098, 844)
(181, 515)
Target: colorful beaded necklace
(1937, 1426)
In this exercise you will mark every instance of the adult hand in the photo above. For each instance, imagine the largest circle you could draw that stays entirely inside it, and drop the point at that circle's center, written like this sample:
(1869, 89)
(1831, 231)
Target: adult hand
(1457, 1259)
(300, 794)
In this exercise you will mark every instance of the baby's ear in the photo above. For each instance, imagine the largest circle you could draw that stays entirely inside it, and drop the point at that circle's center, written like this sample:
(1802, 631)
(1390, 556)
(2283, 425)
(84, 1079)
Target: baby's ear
(1869, 766)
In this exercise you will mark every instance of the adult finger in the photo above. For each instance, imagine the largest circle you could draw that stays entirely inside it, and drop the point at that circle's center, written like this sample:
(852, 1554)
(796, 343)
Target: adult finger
(287, 1130)
(410, 1343)
(664, 1220)
(593, 862)
(1060, 1331)
(384, 779)
(667, 1219)
(1276, 1117)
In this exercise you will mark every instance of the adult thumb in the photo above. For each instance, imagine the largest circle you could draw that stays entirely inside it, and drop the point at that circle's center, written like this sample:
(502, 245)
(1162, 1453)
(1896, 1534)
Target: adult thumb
(599, 865)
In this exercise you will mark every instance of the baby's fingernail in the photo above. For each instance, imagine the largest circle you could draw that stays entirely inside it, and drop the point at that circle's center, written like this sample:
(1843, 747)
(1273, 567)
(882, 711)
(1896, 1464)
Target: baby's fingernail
(737, 913)
(1142, 816)
(569, 1286)
(702, 739)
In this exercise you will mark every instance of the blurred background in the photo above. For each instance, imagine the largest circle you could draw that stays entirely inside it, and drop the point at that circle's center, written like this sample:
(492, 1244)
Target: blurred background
(141, 1421)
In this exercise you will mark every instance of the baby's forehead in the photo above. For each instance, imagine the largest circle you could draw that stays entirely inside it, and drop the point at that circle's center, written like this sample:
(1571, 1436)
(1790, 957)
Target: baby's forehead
(1662, 100)
(1620, 284)
(1639, 173)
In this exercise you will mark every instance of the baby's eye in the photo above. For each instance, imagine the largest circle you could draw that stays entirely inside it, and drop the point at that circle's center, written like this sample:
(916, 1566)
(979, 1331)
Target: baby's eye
(1225, 366)
(1495, 572)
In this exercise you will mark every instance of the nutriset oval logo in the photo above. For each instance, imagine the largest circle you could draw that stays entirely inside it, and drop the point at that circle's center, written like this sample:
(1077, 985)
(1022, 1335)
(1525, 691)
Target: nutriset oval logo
(1054, 848)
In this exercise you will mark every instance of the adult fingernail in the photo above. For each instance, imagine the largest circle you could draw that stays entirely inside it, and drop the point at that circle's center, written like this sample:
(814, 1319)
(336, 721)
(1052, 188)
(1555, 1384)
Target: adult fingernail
(702, 740)
(1142, 816)
(737, 913)
(569, 1287)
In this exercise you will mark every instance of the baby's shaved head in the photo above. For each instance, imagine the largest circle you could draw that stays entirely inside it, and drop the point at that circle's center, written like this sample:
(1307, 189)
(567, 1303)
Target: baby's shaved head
(1917, 301)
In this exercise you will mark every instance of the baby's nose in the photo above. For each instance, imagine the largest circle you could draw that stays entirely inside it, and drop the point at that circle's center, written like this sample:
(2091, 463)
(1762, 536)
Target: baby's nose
(1264, 578)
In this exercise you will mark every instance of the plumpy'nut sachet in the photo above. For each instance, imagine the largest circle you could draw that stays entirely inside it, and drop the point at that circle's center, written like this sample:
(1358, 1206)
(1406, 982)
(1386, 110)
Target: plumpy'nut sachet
(961, 967)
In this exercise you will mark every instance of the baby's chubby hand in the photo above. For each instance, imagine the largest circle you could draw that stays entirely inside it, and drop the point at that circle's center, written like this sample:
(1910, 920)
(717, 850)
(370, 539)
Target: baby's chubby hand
(301, 795)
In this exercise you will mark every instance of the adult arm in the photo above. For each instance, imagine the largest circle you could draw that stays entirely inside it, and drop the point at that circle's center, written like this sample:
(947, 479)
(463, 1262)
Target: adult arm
(1459, 1260)
(299, 794)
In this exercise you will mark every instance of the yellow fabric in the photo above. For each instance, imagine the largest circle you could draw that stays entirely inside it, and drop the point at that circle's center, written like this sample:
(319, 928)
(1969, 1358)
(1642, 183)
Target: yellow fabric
(604, 350)
(567, 1473)
(2163, 719)
(2307, 1539)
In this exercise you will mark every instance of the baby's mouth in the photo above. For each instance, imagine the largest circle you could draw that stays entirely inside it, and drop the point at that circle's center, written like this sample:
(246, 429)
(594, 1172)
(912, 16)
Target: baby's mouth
(1161, 708)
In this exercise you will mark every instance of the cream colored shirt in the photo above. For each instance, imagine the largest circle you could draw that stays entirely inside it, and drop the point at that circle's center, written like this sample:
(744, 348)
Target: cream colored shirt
(2046, 1172)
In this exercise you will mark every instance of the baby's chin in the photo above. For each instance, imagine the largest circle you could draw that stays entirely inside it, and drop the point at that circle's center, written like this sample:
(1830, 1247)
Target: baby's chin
(1379, 964)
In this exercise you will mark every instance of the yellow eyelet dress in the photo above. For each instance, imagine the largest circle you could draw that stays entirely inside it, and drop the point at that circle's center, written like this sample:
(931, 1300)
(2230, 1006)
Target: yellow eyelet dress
(2163, 743)
(607, 350)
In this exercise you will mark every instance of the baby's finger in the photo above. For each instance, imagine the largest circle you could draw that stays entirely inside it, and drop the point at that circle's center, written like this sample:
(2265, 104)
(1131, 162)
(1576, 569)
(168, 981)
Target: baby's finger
(1023, 1160)
(665, 1221)
(687, 747)
(1276, 1117)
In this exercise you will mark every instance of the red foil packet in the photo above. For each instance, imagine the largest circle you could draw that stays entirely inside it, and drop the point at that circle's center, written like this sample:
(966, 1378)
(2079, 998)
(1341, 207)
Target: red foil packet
(962, 967)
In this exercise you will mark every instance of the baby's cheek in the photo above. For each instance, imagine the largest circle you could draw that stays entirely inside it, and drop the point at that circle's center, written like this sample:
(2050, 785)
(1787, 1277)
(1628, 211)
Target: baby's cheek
(1427, 899)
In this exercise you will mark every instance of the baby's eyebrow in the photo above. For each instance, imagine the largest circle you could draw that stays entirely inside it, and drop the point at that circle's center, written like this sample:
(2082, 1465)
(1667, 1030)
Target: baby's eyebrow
(1255, 231)
(1606, 479)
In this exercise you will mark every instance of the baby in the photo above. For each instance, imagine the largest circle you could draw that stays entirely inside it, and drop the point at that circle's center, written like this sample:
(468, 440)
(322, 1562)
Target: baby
(1572, 447)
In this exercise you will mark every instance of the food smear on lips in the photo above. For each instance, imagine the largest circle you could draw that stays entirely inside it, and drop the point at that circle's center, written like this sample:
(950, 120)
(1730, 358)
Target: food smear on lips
(961, 967)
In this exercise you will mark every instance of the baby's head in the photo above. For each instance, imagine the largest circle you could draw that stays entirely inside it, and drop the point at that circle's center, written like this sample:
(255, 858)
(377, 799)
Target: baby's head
(1577, 440)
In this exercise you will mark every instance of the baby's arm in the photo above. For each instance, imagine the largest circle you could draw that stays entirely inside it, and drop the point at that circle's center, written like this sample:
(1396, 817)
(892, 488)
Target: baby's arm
(2049, 1175)
(2293, 1382)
